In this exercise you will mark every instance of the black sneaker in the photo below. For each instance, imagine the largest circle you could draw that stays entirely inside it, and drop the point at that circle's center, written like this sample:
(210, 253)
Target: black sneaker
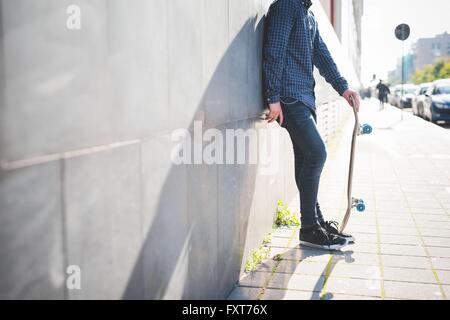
(318, 237)
(332, 227)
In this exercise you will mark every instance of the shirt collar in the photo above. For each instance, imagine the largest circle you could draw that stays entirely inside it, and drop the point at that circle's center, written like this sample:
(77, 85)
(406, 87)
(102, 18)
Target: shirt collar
(307, 3)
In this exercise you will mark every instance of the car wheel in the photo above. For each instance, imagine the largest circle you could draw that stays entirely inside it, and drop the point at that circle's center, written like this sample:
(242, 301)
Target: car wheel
(432, 119)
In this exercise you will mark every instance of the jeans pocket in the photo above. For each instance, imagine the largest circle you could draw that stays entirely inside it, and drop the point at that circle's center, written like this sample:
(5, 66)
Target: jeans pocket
(288, 101)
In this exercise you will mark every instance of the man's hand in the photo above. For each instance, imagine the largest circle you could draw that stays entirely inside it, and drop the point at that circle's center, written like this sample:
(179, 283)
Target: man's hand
(275, 113)
(348, 95)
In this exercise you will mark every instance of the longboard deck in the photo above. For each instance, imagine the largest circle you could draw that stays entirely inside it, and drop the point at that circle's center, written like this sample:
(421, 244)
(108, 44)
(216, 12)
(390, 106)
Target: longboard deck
(356, 130)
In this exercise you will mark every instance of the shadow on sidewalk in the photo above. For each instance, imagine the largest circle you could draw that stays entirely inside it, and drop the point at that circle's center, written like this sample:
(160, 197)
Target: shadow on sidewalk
(291, 264)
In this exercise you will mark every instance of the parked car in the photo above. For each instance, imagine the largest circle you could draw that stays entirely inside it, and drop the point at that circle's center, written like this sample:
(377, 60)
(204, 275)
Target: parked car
(417, 105)
(394, 96)
(409, 93)
(436, 106)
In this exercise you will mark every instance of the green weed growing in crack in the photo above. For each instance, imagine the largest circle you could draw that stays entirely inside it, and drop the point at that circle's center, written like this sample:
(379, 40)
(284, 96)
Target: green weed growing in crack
(256, 257)
(285, 217)
(278, 257)
(268, 239)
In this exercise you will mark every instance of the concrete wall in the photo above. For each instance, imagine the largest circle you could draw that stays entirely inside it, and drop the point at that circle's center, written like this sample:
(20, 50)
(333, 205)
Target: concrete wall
(85, 141)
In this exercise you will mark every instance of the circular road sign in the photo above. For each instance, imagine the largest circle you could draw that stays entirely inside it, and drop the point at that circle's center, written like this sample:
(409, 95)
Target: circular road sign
(402, 32)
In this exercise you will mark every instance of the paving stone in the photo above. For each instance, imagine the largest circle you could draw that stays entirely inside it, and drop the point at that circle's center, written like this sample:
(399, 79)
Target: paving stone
(306, 255)
(409, 275)
(435, 224)
(441, 263)
(364, 247)
(364, 237)
(348, 270)
(254, 279)
(403, 250)
(439, 252)
(338, 296)
(443, 217)
(282, 242)
(302, 267)
(447, 291)
(424, 204)
(296, 282)
(415, 210)
(362, 229)
(405, 261)
(410, 290)
(407, 222)
(266, 266)
(399, 239)
(278, 294)
(398, 230)
(433, 232)
(444, 276)
(360, 258)
(244, 293)
(437, 242)
(369, 287)
(285, 233)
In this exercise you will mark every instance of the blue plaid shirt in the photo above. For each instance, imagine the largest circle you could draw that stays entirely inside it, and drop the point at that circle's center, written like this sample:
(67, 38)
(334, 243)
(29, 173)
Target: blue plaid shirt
(292, 47)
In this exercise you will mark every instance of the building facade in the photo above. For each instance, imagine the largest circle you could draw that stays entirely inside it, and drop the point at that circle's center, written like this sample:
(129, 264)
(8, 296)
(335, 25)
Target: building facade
(428, 50)
(346, 18)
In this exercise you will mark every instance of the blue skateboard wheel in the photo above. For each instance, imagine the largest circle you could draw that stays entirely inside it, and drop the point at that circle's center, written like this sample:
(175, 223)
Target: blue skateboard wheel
(361, 207)
(366, 129)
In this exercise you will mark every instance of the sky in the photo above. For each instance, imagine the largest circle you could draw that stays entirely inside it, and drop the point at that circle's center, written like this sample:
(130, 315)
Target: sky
(380, 49)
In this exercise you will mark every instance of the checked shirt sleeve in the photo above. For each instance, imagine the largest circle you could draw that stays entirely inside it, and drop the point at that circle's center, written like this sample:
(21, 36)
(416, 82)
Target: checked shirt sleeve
(326, 65)
(279, 25)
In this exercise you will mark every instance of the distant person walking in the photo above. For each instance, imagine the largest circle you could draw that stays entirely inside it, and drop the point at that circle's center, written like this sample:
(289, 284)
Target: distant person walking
(383, 91)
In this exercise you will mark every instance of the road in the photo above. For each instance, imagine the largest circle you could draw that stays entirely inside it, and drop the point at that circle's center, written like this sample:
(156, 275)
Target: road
(445, 126)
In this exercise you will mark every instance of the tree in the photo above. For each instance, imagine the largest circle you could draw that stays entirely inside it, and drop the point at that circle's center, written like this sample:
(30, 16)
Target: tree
(439, 70)
(445, 71)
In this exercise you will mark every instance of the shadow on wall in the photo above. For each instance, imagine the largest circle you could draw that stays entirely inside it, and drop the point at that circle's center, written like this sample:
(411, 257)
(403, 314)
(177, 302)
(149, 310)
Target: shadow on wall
(195, 234)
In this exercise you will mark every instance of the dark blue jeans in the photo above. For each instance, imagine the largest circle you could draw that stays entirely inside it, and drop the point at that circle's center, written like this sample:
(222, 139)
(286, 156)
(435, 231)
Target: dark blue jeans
(310, 156)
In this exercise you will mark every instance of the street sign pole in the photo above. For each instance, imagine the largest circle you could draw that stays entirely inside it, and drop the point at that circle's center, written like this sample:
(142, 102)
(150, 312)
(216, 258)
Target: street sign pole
(402, 33)
(403, 77)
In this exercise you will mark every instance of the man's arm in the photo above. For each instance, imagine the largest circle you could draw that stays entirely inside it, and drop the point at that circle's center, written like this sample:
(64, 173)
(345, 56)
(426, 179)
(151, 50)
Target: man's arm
(278, 29)
(329, 70)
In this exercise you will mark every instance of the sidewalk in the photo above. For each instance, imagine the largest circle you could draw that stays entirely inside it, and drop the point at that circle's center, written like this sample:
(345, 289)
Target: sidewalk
(402, 248)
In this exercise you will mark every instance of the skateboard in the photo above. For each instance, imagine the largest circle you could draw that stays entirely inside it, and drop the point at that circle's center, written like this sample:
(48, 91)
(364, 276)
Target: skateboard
(354, 202)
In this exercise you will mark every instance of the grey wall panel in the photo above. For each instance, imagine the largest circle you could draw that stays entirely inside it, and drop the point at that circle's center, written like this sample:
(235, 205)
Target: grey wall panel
(255, 102)
(185, 62)
(103, 221)
(203, 243)
(240, 29)
(52, 74)
(228, 228)
(165, 249)
(216, 63)
(136, 76)
(31, 234)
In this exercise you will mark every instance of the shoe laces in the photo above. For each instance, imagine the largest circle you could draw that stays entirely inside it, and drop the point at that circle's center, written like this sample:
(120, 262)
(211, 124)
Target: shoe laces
(333, 225)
